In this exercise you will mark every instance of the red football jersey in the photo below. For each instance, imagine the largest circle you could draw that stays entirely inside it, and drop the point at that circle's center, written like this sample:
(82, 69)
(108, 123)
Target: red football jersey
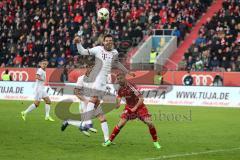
(130, 93)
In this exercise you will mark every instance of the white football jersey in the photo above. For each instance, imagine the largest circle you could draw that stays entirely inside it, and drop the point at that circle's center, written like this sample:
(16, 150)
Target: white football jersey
(39, 85)
(103, 63)
(83, 84)
(80, 82)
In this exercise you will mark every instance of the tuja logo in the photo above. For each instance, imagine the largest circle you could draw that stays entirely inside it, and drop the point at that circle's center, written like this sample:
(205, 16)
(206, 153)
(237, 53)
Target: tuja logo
(200, 79)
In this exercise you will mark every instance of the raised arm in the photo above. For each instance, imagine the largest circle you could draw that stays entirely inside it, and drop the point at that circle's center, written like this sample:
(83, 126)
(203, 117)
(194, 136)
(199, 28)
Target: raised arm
(80, 48)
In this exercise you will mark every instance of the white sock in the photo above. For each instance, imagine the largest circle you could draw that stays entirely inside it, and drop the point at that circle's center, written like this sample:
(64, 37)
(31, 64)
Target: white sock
(74, 123)
(87, 116)
(80, 108)
(88, 122)
(47, 110)
(104, 126)
(30, 108)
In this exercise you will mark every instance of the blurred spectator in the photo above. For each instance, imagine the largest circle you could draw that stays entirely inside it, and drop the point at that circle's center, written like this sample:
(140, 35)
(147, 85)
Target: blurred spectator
(198, 64)
(190, 62)
(64, 75)
(33, 30)
(188, 80)
(158, 78)
(214, 63)
(153, 56)
(6, 76)
(182, 64)
(224, 64)
(218, 81)
(218, 41)
(238, 64)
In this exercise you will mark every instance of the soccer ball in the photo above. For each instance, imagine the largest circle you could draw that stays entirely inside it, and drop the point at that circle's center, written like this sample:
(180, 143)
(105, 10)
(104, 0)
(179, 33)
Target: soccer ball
(103, 14)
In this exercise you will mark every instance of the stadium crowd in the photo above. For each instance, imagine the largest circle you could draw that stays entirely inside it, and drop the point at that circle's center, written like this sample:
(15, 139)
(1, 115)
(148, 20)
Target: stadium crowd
(31, 30)
(217, 47)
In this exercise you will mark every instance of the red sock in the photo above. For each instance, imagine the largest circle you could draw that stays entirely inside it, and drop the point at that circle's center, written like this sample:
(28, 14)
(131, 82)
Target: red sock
(153, 133)
(115, 132)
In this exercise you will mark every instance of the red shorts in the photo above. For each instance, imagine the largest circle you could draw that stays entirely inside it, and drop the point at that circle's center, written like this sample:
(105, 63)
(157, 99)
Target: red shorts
(141, 113)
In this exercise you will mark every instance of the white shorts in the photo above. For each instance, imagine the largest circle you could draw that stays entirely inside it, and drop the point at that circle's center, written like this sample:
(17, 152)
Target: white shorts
(85, 116)
(99, 89)
(82, 107)
(95, 89)
(40, 94)
(99, 86)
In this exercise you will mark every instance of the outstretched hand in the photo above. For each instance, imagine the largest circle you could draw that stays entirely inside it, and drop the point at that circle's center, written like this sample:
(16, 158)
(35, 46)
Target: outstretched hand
(76, 40)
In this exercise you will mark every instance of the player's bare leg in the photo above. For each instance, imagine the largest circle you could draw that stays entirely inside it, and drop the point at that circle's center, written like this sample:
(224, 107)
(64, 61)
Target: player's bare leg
(115, 131)
(33, 106)
(104, 126)
(152, 131)
(47, 109)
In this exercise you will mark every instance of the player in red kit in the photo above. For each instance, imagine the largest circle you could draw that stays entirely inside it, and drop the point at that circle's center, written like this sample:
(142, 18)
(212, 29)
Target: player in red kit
(134, 108)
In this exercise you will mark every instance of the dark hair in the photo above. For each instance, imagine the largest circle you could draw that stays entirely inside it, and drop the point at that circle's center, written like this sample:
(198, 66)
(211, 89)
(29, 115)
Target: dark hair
(6, 71)
(121, 74)
(43, 60)
(107, 36)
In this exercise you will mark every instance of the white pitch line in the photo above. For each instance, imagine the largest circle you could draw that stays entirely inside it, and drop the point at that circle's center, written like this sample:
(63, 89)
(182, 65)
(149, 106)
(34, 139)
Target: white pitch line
(191, 154)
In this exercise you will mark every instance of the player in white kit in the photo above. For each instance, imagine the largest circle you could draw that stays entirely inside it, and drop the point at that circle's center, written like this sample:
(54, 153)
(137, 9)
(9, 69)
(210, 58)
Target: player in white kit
(86, 123)
(83, 125)
(105, 58)
(40, 93)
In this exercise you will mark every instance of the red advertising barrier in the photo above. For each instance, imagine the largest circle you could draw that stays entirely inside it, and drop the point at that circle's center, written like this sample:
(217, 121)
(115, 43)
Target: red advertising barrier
(53, 75)
(202, 78)
(142, 77)
(29, 74)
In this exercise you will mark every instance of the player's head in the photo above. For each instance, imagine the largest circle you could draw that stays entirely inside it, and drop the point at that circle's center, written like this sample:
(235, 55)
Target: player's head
(43, 63)
(121, 79)
(6, 71)
(108, 42)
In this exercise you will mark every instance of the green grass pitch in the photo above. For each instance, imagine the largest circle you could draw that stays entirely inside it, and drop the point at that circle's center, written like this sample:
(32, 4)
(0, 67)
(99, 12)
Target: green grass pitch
(211, 133)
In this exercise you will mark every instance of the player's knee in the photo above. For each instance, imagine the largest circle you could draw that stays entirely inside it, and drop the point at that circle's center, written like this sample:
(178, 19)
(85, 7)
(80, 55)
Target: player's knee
(150, 124)
(102, 118)
(36, 103)
(48, 101)
(121, 125)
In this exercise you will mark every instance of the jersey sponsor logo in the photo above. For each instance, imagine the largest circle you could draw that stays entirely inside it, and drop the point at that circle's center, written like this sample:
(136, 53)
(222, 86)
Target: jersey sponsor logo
(18, 75)
(200, 79)
(107, 55)
(104, 56)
